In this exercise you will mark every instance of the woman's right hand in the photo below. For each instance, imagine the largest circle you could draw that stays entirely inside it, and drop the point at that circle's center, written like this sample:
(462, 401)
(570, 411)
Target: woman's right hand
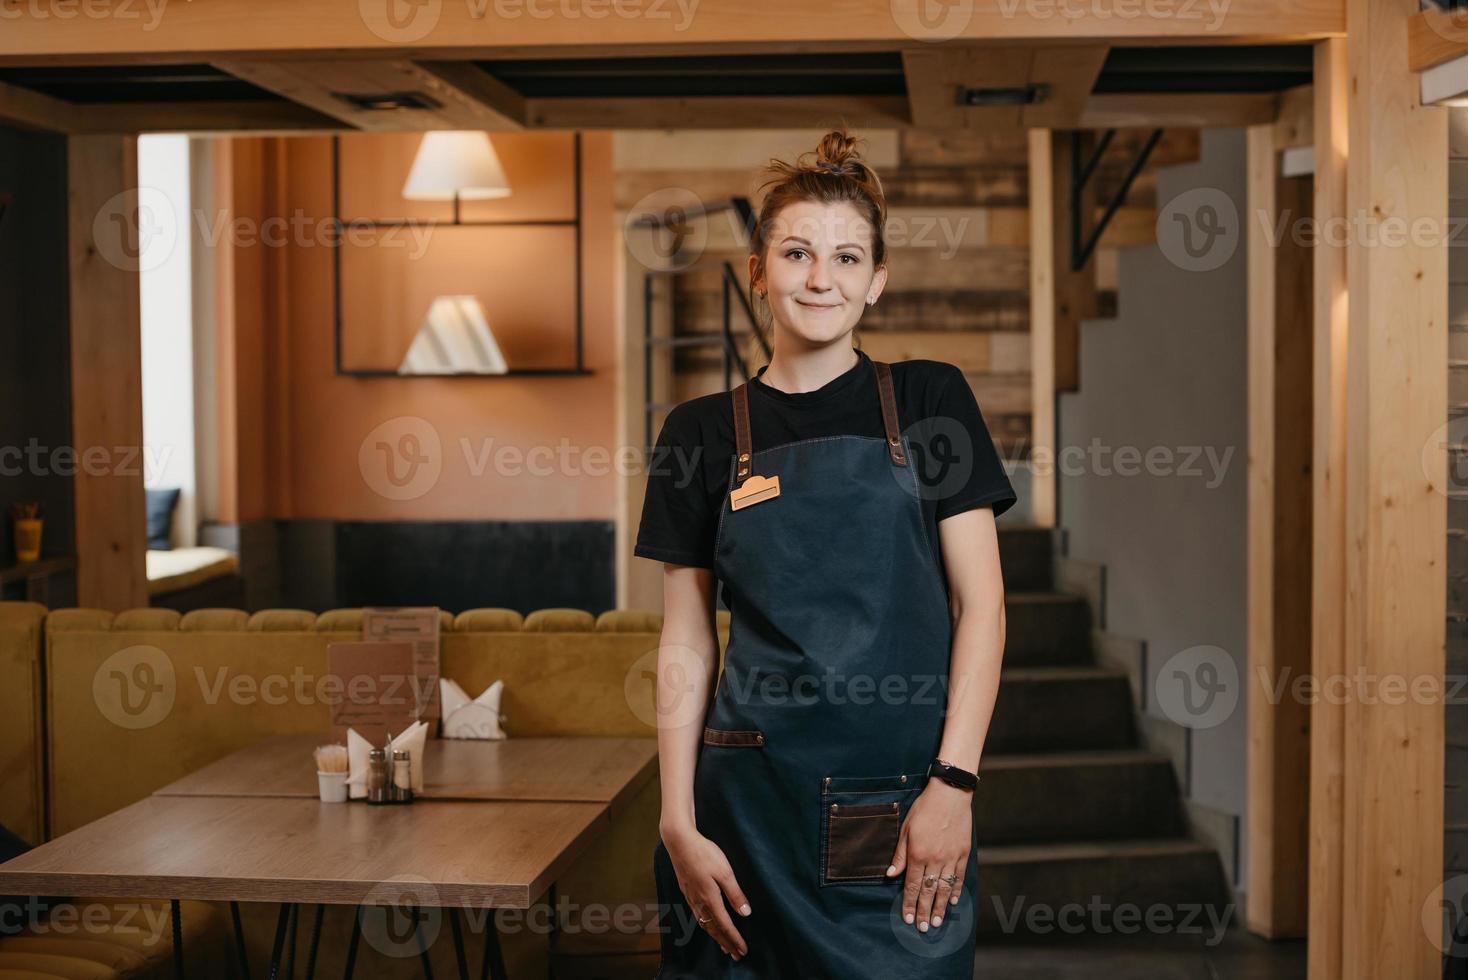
(705, 878)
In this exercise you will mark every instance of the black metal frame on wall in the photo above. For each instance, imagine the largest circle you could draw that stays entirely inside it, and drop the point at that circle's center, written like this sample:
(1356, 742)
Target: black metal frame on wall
(336, 275)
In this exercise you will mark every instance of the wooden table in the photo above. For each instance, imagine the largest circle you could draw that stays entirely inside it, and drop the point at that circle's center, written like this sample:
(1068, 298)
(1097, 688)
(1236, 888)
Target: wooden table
(250, 828)
(585, 769)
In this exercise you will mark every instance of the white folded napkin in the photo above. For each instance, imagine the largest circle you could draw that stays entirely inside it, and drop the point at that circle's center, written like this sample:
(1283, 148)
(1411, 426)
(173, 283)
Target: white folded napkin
(463, 718)
(412, 740)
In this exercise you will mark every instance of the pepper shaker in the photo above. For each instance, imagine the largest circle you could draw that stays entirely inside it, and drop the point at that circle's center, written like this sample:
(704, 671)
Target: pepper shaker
(377, 783)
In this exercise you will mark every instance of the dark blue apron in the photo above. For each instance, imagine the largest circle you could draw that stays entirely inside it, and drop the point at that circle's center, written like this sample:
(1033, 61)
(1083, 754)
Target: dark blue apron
(828, 710)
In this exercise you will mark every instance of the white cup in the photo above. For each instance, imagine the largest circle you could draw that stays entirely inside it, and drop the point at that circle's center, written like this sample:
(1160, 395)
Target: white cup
(332, 786)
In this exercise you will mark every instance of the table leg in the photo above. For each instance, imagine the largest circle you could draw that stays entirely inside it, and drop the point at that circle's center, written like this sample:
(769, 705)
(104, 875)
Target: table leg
(280, 923)
(290, 955)
(422, 944)
(315, 942)
(459, 957)
(239, 940)
(494, 957)
(177, 938)
(550, 940)
(352, 943)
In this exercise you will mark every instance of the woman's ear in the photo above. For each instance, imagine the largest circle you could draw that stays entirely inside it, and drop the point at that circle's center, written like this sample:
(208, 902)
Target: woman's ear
(754, 283)
(879, 282)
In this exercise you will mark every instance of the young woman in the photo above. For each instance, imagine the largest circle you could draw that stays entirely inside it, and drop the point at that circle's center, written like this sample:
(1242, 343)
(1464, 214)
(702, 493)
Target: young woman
(817, 808)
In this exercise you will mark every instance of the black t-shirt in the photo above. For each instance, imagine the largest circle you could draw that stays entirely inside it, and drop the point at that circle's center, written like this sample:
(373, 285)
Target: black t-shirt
(688, 474)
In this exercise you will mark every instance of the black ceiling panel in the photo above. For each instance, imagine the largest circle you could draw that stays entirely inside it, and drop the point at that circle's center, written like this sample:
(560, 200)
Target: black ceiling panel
(117, 84)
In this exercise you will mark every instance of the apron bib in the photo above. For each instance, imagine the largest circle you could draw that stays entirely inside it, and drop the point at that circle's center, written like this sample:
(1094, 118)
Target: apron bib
(828, 710)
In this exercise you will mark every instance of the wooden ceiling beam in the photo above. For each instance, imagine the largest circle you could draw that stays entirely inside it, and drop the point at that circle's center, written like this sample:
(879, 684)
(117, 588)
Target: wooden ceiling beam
(1435, 36)
(463, 101)
(1184, 109)
(222, 29)
(32, 110)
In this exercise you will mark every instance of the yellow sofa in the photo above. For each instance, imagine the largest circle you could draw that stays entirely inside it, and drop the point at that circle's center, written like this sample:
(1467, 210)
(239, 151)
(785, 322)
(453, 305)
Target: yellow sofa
(221, 674)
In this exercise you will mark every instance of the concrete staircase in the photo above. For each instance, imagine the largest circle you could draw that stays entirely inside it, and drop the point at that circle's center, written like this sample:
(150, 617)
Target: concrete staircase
(1072, 812)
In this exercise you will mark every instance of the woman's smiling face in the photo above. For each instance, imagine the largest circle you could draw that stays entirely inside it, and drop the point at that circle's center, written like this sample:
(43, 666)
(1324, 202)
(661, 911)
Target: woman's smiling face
(819, 273)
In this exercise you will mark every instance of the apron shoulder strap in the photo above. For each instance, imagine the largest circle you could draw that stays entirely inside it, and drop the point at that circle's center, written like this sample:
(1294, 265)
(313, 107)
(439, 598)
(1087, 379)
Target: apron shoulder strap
(741, 431)
(889, 413)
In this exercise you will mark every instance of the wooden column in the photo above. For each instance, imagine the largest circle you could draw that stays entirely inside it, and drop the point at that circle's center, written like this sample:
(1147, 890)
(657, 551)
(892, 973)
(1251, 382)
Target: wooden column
(106, 372)
(1042, 326)
(1395, 518)
(1280, 409)
(1328, 513)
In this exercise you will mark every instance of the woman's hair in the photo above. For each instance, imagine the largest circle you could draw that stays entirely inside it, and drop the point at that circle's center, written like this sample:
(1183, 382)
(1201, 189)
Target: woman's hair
(836, 175)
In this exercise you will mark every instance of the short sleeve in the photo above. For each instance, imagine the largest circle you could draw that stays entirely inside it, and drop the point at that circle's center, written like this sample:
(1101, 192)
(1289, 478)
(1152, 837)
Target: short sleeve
(962, 468)
(678, 521)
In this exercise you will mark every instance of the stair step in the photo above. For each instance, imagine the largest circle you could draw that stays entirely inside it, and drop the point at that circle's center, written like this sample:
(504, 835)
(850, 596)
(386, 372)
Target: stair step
(1044, 628)
(1117, 794)
(1099, 885)
(1055, 709)
(1026, 555)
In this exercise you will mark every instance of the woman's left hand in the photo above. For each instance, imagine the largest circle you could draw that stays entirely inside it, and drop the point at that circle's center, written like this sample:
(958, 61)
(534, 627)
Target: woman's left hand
(935, 841)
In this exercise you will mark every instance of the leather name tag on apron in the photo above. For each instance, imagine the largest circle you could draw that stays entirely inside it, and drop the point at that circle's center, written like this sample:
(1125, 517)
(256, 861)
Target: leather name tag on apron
(755, 490)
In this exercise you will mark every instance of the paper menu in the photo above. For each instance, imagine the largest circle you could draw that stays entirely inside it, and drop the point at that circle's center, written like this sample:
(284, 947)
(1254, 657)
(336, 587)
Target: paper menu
(374, 692)
(417, 625)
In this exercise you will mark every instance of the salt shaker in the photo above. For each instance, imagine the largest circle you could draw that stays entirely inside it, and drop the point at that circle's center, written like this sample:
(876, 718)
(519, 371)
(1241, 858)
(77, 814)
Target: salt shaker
(377, 783)
(402, 776)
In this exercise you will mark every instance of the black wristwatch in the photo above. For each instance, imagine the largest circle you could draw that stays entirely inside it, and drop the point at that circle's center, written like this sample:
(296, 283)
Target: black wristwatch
(953, 775)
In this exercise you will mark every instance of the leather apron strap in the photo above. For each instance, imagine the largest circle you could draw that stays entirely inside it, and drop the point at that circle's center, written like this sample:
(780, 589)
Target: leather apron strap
(743, 446)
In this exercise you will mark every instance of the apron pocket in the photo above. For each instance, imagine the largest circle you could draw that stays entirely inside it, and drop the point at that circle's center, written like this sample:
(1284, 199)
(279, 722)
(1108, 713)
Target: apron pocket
(860, 840)
(861, 822)
(746, 737)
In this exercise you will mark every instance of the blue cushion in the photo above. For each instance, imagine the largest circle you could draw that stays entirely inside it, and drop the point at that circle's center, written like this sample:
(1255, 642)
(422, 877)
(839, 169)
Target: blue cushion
(160, 516)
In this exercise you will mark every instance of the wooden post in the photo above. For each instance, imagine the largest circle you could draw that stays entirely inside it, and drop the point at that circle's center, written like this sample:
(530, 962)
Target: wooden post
(1328, 513)
(106, 371)
(1395, 537)
(1280, 409)
(1042, 327)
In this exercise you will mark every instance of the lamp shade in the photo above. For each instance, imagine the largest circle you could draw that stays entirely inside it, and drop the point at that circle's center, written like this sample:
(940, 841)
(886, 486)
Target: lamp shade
(456, 162)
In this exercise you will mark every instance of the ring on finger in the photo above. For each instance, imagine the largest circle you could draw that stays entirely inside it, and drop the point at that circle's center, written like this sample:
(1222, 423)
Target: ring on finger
(929, 881)
(952, 879)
